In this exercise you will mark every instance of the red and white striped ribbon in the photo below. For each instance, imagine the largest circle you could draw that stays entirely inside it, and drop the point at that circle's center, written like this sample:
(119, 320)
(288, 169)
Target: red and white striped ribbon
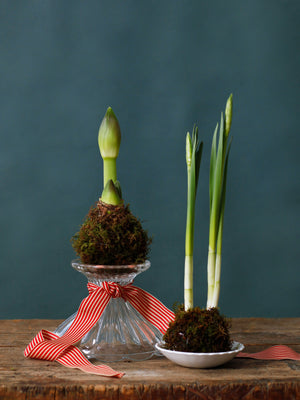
(49, 346)
(278, 352)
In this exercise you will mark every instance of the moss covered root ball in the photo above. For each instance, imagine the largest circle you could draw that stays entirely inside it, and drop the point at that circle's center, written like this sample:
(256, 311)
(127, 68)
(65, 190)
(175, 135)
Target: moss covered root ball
(111, 235)
(199, 331)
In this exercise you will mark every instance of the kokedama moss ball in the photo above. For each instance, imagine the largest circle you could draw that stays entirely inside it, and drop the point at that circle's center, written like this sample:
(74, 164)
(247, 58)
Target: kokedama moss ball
(198, 331)
(111, 235)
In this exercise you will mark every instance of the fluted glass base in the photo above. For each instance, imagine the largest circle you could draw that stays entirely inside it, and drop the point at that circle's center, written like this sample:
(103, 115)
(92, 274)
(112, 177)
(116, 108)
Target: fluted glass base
(121, 333)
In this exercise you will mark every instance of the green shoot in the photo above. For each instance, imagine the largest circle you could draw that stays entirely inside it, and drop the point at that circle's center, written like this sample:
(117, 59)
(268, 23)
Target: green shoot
(217, 193)
(110, 194)
(193, 160)
(109, 140)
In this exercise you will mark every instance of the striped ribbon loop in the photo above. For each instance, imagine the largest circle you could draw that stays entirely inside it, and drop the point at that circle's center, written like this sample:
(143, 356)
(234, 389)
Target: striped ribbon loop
(48, 346)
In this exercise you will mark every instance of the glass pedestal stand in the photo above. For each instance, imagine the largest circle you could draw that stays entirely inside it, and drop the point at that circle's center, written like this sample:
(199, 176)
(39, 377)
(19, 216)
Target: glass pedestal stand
(121, 333)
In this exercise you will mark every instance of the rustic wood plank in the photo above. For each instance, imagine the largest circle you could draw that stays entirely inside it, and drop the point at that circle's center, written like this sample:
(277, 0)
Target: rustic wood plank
(22, 378)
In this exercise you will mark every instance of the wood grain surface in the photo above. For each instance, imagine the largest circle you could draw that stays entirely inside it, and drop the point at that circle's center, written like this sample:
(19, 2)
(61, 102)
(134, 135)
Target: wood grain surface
(240, 379)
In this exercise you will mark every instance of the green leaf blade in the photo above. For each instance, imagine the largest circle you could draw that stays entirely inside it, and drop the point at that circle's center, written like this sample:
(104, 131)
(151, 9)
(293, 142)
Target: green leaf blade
(216, 194)
(222, 202)
(213, 157)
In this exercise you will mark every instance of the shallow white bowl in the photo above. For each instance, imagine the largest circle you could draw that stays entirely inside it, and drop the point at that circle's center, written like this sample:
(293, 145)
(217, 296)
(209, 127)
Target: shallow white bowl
(200, 360)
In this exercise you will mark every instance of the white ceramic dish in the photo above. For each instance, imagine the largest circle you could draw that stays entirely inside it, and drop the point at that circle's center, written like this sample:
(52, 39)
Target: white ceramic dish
(200, 360)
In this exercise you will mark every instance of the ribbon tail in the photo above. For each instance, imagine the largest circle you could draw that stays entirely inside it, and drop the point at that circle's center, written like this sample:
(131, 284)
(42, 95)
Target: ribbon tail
(89, 312)
(47, 345)
(73, 358)
(149, 307)
(278, 352)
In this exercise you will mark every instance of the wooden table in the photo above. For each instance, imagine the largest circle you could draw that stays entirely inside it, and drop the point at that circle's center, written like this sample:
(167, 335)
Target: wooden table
(22, 378)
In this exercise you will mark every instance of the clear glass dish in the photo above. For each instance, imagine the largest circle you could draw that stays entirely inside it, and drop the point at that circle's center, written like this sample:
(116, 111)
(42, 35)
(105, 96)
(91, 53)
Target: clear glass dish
(121, 333)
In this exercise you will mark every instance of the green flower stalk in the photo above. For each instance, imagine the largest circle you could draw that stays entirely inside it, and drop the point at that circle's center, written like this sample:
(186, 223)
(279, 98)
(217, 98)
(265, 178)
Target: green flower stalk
(110, 233)
(193, 160)
(217, 193)
(109, 140)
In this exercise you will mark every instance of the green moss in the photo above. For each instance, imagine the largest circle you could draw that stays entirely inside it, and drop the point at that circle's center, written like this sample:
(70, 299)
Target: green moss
(111, 235)
(199, 331)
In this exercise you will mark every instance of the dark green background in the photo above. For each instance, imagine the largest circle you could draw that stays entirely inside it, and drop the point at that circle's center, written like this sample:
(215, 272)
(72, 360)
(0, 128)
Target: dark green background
(162, 65)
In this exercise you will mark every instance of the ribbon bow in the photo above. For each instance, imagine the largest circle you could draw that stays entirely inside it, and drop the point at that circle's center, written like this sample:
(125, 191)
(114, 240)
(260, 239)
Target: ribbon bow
(47, 345)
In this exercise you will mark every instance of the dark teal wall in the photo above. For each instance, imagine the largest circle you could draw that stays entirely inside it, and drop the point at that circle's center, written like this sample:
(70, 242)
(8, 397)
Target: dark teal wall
(162, 65)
